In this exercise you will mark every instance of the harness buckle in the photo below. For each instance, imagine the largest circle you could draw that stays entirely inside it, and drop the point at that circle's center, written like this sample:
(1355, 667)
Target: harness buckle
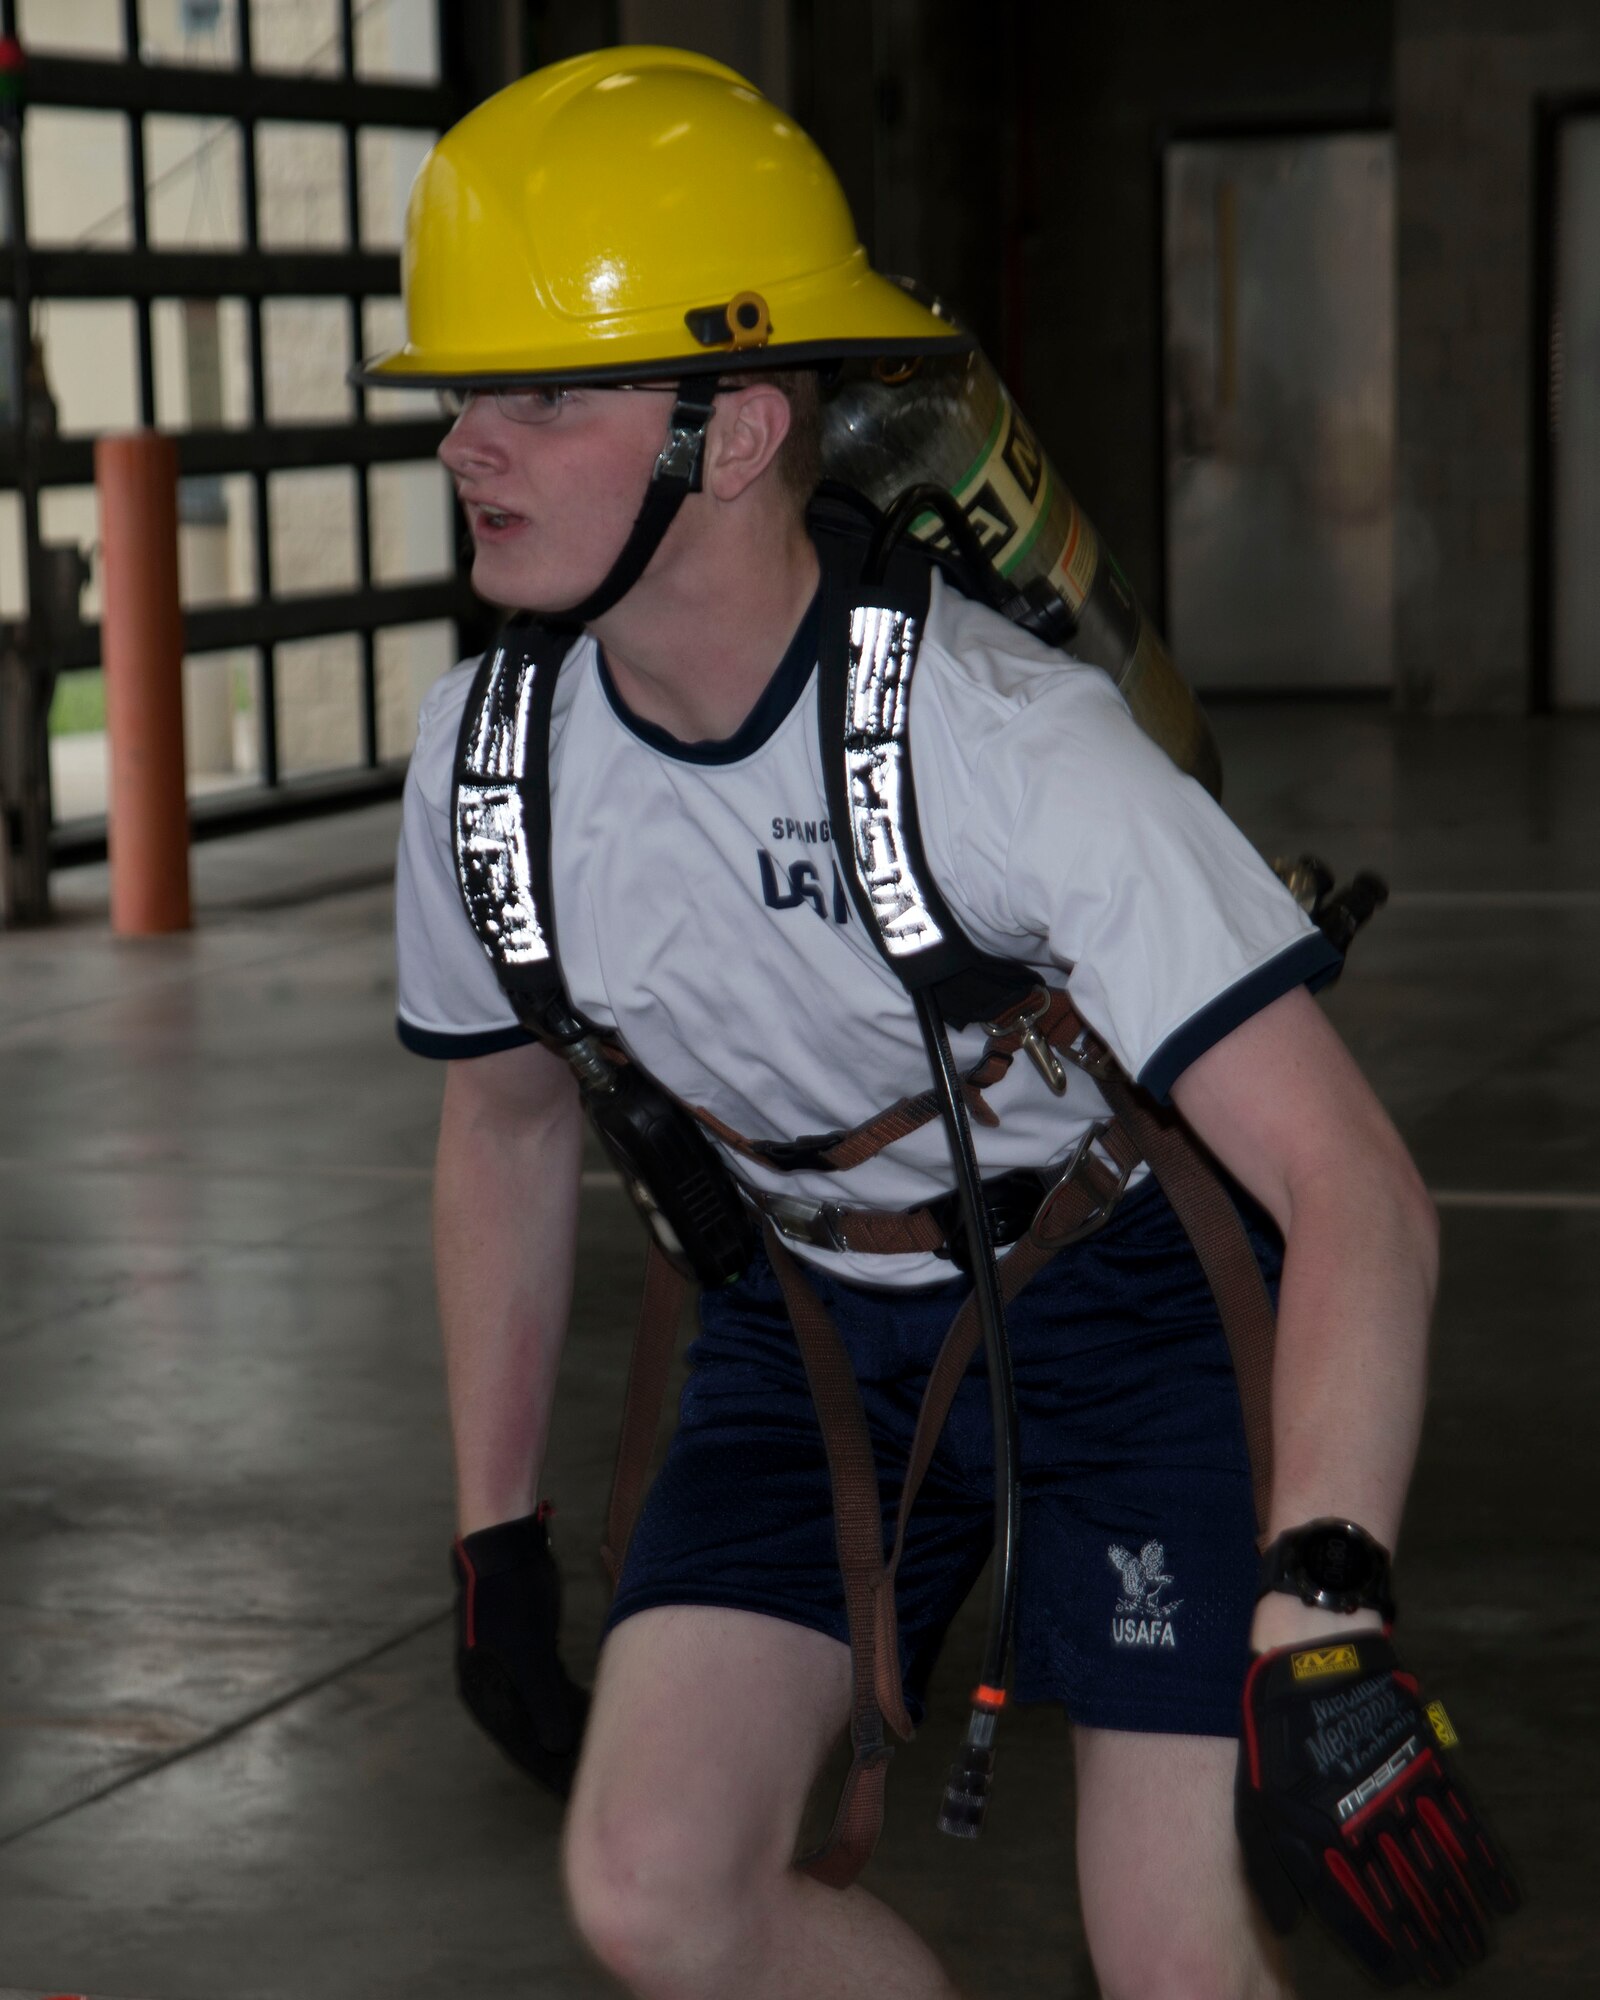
(1091, 1055)
(1105, 1206)
(800, 1221)
(1038, 1050)
(679, 458)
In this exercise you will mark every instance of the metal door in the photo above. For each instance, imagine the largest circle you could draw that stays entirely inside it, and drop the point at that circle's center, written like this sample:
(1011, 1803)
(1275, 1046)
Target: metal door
(1279, 375)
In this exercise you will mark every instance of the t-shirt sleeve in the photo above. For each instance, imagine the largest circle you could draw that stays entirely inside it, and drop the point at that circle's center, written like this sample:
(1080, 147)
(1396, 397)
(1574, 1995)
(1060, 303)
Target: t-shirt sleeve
(1081, 844)
(450, 1003)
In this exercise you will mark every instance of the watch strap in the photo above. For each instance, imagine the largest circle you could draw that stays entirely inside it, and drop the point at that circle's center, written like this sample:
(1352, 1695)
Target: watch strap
(1332, 1563)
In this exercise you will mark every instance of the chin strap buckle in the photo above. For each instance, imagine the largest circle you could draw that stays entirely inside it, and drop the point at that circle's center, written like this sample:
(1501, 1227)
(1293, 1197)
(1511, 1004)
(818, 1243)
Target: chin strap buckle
(681, 457)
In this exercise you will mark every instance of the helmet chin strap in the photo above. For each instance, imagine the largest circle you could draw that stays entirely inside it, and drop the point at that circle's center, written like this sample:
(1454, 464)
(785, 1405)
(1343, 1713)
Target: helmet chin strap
(676, 476)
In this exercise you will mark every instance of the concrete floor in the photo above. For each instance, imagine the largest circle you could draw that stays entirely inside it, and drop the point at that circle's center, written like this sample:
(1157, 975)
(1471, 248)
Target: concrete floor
(232, 1760)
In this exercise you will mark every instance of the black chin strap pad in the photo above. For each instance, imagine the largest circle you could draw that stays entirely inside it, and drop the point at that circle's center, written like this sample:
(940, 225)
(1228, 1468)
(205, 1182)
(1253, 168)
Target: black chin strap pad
(676, 476)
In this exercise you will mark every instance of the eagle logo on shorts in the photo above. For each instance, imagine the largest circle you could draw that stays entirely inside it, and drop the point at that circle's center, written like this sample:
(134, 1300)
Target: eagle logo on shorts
(1142, 1619)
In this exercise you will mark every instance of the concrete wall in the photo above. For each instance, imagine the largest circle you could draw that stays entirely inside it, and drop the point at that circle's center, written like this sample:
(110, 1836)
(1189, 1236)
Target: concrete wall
(1468, 77)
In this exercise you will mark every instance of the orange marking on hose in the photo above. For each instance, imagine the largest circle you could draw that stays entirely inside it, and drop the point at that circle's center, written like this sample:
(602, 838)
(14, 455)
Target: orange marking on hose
(984, 1696)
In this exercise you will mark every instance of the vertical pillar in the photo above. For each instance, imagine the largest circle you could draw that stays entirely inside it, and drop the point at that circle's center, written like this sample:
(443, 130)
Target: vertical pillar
(142, 647)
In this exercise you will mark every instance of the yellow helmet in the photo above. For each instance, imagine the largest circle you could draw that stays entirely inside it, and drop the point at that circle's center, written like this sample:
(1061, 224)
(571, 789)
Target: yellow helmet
(638, 209)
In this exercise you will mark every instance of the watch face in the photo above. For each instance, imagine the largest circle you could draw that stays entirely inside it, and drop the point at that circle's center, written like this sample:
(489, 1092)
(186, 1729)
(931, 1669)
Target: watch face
(1339, 1561)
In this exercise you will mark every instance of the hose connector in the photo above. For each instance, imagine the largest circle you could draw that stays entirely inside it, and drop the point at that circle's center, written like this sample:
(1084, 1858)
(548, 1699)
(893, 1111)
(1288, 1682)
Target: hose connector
(971, 1779)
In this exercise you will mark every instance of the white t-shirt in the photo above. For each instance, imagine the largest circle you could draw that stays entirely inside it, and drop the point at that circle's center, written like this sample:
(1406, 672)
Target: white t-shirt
(700, 911)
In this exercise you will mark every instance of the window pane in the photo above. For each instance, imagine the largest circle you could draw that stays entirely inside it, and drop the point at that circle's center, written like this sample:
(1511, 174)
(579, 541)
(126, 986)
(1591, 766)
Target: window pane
(400, 39)
(88, 28)
(295, 34)
(301, 178)
(78, 760)
(202, 32)
(13, 574)
(411, 522)
(319, 704)
(194, 177)
(219, 739)
(77, 174)
(410, 658)
(388, 161)
(216, 539)
(91, 353)
(307, 345)
(383, 323)
(313, 523)
(202, 357)
(247, 724)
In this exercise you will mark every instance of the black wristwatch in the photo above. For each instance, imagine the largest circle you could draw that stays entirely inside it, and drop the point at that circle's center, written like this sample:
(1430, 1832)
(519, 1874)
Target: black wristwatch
(1331, 1563)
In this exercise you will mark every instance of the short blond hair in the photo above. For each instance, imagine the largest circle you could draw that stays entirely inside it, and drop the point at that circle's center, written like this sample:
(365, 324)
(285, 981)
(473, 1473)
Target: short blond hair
(799, 459)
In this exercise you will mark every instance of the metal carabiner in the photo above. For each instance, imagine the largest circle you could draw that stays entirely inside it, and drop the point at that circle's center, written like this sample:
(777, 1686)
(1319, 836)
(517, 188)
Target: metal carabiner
(1038, 1050)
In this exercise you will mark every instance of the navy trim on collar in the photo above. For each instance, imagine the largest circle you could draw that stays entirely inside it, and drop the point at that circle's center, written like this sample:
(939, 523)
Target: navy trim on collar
(776, 700)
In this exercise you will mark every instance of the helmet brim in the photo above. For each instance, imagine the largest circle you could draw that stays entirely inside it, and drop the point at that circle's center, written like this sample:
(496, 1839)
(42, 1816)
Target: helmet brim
(408, 368)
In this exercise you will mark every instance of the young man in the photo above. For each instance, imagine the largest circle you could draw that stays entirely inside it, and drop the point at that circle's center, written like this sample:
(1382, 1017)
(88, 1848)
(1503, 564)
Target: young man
(580, 253)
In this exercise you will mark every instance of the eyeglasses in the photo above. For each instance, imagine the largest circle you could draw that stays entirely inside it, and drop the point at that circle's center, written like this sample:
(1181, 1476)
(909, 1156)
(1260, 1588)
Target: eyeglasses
(540, 405)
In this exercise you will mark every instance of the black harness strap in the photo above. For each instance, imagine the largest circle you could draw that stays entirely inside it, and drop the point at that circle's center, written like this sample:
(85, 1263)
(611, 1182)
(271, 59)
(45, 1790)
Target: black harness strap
(885, 847)
(500, 813)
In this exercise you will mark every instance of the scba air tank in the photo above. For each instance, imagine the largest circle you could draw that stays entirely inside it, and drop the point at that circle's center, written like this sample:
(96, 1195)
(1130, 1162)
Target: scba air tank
(949, 421)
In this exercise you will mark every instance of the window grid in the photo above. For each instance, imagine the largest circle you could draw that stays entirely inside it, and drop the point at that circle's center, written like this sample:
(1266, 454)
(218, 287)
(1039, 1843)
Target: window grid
(354, 274)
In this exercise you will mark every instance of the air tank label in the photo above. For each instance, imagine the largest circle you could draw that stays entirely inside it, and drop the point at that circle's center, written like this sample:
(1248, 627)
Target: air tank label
(1010, 496)
(1005, 493)
(1072, 572)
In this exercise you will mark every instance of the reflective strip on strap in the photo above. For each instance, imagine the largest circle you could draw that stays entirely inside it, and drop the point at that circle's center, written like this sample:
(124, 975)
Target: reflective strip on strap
(496, 873)
(883, 650)
(498, 744)
(493, 861)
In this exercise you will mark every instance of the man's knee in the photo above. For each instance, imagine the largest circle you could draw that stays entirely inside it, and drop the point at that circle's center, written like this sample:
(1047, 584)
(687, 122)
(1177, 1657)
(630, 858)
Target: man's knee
(658, 1900)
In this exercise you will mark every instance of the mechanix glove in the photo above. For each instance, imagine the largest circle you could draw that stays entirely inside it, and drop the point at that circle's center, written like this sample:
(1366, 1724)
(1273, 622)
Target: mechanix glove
(508, 1615)
(1347, 1800)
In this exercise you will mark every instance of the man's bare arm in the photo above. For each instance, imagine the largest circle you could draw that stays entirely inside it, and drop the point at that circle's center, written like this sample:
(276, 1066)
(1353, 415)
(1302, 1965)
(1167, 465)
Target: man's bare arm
(505, 1209)
(1282, 1104)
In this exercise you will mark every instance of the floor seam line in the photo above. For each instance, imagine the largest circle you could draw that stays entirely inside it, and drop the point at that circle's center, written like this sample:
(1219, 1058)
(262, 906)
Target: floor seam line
(228, 1730)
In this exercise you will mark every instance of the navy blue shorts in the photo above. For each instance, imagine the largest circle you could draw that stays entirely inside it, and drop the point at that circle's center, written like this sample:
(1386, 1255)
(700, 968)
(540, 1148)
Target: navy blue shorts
(1137, 1550)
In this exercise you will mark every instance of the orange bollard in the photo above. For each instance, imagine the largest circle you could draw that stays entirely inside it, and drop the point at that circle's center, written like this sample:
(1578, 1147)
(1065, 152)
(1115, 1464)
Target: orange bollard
(142, 643)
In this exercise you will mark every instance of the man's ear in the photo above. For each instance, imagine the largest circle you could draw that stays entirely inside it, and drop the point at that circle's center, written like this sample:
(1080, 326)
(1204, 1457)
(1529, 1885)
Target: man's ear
(746, 430)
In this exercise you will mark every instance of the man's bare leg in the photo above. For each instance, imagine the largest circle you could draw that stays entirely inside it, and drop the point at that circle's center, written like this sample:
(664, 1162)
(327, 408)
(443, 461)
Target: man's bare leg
(707, 1730)
(1165, 1902)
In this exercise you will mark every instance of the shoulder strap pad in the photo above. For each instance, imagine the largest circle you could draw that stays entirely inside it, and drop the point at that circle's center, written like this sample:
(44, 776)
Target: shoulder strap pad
(500, 819)
(867, 656)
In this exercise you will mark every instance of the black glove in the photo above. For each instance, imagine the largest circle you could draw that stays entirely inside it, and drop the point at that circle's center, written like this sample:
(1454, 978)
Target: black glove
(1347, 1800)
(508, 1614)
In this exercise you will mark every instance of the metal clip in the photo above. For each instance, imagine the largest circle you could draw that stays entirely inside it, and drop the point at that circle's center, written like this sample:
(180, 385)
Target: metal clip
(800, 1221)
(679, 459)
(1080, 1156)
(1091, 1055)
(1038, 1050)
